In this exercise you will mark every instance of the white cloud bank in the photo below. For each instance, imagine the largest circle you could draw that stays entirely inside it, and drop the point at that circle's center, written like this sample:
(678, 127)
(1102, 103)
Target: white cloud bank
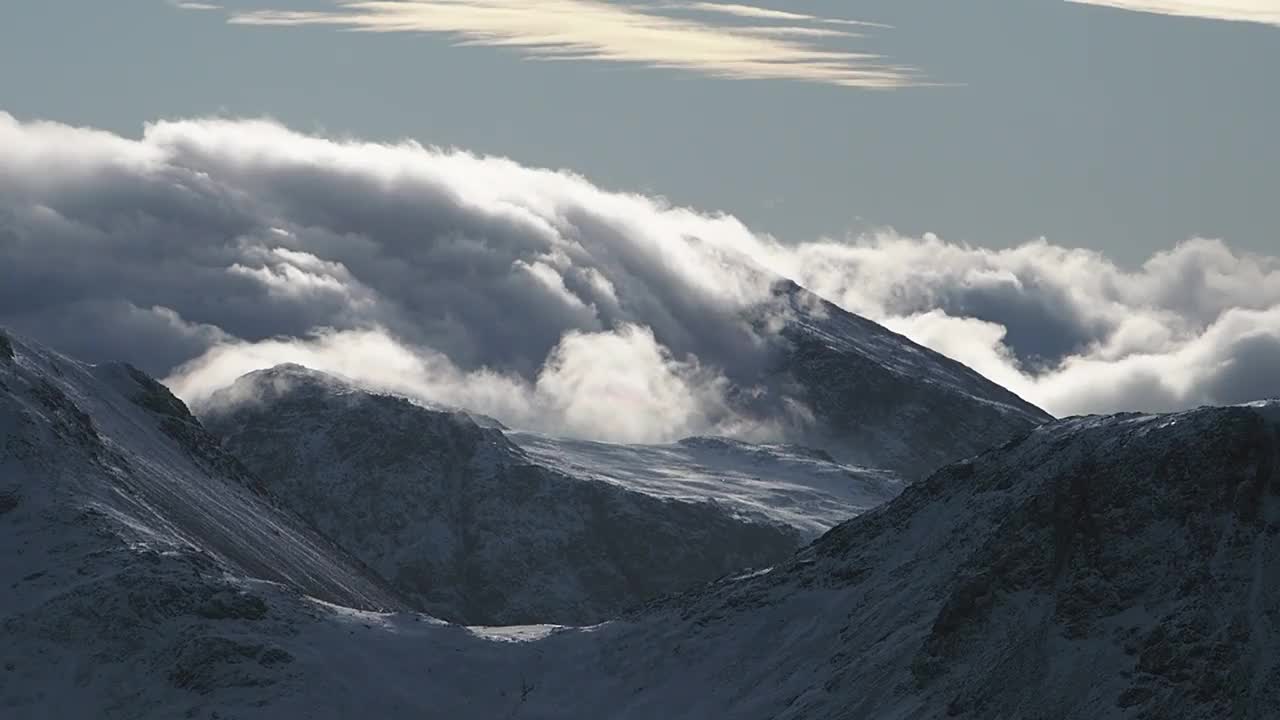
(1266, 12)
(1066, 328)
(772, 45)
(209, 248)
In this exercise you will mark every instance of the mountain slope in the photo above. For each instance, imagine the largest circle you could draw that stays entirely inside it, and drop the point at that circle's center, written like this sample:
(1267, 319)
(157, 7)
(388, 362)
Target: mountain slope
(107, 447)
(1117, 567)
(1100, 567)
(881, 400)
(793, 485)
(474, 528)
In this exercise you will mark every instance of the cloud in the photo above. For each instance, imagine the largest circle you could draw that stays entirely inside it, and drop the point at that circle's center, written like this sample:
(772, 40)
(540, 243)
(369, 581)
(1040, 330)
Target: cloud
(620, 385)
(110, 327)
(1067, 328)
(208, 248)
(603, 31)
(186, 5)
(1266, 12)
(753, 11)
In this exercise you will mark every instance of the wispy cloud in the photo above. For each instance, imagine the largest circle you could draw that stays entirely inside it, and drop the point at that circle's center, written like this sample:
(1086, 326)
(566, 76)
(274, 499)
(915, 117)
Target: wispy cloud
(753, 11)
(187, 5)
(1266, 12)
(603, 31)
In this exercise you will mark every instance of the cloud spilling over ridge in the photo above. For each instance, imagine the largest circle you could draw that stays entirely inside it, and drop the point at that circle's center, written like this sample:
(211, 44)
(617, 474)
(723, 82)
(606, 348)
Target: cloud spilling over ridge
(1067, 328)
(621, 385)
(1266, 12)
(208, 248)
(772, 45)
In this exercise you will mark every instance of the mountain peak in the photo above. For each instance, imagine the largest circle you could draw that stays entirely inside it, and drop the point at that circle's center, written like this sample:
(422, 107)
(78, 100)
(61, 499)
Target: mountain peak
(300, 382)
(879, 399)
(266, 385)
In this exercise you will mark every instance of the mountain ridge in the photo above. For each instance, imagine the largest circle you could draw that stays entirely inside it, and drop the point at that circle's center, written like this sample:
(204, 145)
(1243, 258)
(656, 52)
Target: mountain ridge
(493, 527)
(1121, 566)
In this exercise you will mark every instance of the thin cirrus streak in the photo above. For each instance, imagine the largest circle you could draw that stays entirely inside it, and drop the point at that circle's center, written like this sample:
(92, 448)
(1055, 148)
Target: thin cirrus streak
(601, 31)
(1266, 12)
(752, 11)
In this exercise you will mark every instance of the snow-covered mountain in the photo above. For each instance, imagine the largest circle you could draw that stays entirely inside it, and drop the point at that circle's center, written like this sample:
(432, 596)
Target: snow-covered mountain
(107, 451)
(119, 512)
(1121, 566)
(480, 526)
(881, 400)
(1099, 567)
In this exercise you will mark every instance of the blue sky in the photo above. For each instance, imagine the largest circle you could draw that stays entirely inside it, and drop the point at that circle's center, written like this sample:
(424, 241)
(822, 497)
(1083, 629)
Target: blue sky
(1095, 127)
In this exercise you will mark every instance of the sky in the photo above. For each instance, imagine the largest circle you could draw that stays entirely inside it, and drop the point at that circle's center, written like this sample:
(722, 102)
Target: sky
(538, 210)
(1091, 126)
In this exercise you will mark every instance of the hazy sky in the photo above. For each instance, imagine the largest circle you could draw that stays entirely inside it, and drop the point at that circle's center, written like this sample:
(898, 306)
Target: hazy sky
(991, 122)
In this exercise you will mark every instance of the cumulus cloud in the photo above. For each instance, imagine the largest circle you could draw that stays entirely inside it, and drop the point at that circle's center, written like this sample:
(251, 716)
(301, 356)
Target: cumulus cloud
(603, 31)
(1266, 12)
(209, 248)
